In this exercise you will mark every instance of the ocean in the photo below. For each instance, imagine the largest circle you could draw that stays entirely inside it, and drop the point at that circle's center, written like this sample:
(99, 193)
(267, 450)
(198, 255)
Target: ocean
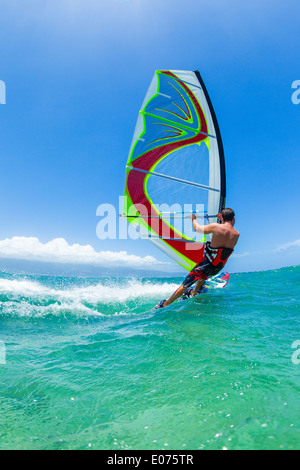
(87, 363)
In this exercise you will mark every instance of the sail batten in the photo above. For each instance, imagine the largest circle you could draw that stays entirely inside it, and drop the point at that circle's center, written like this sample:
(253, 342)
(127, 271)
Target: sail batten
(191, 183)
(168, 121)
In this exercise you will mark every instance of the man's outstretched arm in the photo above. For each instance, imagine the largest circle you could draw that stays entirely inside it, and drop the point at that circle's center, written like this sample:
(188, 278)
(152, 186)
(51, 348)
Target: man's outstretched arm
(206, 229)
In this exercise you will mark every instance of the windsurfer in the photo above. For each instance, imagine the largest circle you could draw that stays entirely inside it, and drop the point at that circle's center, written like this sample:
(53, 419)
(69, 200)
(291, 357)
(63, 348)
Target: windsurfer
(216, 253)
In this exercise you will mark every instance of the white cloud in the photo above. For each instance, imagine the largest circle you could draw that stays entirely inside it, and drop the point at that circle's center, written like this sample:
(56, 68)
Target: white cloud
(59, 251)
(288, 246)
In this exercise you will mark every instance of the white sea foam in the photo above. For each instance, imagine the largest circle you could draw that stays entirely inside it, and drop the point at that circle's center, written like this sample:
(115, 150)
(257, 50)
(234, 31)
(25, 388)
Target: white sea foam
(131, 289)
(29, 297)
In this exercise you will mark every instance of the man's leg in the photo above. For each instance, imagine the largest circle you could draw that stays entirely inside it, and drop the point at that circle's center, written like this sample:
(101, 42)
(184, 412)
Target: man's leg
(197, 287)
(178, 293)
(188, 282)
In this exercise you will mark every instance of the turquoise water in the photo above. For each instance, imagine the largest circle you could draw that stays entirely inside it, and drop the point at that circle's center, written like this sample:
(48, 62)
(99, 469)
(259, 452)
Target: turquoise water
(88, 364)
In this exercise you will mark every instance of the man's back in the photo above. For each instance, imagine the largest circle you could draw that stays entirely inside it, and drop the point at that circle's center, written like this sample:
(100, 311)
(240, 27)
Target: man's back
(224, 235)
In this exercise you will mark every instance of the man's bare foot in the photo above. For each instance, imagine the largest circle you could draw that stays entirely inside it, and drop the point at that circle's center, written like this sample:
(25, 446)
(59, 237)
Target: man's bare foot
(160, 304)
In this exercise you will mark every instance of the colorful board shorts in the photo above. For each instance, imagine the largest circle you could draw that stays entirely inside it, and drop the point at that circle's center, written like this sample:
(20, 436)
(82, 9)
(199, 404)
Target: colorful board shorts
(213, 261)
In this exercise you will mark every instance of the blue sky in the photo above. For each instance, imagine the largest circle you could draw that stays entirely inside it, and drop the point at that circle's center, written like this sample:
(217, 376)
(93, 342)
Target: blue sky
(76, 72)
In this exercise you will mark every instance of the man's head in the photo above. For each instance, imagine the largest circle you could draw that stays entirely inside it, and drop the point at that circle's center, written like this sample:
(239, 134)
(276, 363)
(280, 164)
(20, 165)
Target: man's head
(228, 215)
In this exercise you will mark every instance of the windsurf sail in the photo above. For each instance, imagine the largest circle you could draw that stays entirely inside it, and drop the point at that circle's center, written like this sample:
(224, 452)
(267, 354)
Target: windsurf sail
(175, 166)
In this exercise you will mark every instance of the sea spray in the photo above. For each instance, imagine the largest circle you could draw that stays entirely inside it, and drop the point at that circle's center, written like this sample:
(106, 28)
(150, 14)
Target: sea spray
(42, 296)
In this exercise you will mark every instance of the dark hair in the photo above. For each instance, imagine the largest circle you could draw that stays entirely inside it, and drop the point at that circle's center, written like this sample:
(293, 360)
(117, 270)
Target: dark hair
(228, 214)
